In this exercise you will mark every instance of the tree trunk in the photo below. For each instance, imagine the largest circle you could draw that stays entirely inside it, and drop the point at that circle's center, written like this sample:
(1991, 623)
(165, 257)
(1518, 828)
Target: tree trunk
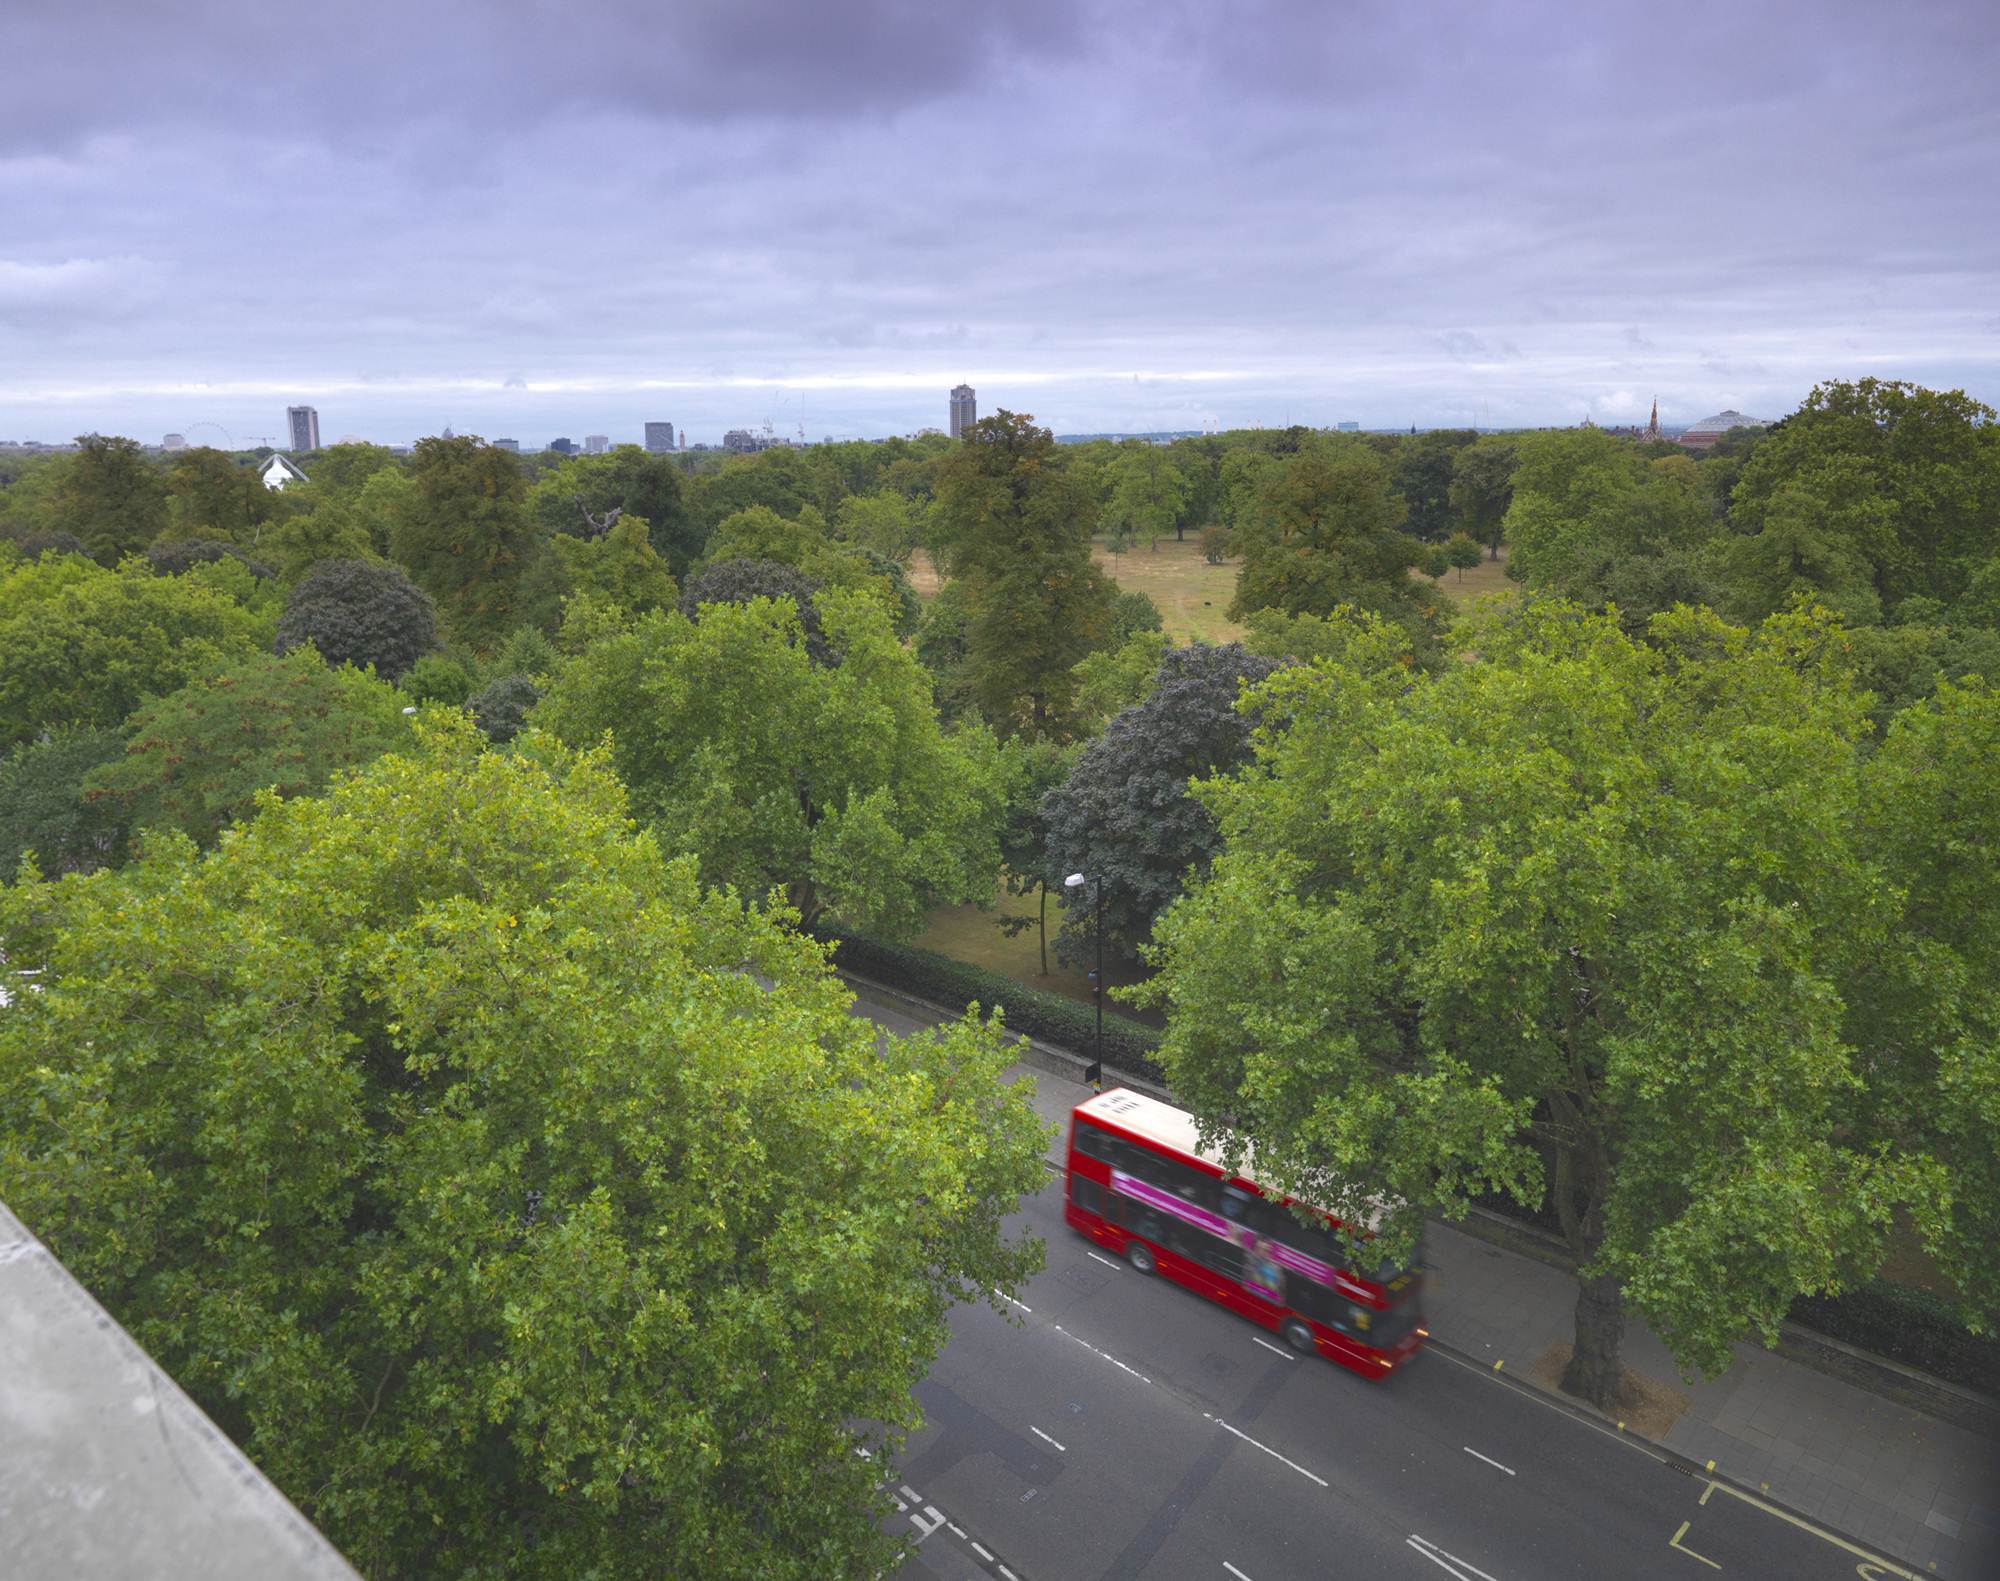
(1594, 1368)
(1042, 926)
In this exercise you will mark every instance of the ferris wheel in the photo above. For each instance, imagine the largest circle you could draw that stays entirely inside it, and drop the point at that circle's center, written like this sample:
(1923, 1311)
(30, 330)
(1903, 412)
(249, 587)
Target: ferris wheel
(206, 427)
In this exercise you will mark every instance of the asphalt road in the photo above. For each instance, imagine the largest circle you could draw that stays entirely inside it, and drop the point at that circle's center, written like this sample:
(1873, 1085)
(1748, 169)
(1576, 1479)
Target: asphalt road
(1118, 1427)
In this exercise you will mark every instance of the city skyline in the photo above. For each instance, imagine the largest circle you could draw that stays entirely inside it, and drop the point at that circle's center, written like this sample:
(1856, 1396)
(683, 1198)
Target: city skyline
(1267, 217)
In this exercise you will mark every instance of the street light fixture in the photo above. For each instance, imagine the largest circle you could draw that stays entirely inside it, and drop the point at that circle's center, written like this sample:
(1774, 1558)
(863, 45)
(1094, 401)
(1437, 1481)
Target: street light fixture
(1094, 1071)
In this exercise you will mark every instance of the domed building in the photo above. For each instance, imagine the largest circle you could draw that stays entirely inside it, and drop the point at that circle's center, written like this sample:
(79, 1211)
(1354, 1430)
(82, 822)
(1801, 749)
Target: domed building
(1699, 436)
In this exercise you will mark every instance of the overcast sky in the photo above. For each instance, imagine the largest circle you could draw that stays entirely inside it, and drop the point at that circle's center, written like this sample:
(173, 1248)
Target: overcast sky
(568, 216)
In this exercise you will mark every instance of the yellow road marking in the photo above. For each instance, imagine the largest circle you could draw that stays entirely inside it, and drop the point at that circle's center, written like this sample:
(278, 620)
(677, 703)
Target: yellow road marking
(1819, 1531)
(1705, 1492)
(1675, 1542)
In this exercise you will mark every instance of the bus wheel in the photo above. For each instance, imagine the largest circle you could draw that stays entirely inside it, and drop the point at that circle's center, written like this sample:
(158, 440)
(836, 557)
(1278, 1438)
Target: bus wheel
(1140, 1256)
(1299, 1337)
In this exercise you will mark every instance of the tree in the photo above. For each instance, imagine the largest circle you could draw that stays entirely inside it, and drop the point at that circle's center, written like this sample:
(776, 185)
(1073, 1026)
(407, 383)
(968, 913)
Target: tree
(110, 497)
(1870, 493)
(1425, 468)
(1462, 551)
(1215, 543)
(197, 759)
(179, 557)
(886, 521)
(342, 471)
(632, 482)
(1482, 487)
(464, 534)
(44, 812)
(1112, 680)
(1124, 815)
(620, 568)
(210, 492)
(80, 645)
(360, 612)
(1323, 533)
(1016, 528)
(1147, 492)
(1030, 770)
(1593, 521)
(517, 1206)
(830, 782)
(743, 581)
(1580, 897)
(333, 529)
(501, 707)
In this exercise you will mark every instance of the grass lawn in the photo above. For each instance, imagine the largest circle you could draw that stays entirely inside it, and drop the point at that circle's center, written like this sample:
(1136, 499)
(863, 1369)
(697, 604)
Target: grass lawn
(1191, 593)
(1489, 576)
(966, 933)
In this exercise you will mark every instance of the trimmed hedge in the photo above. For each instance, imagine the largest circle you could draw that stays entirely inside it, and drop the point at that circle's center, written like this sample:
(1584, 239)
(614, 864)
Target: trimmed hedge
(1129, 1045)
(1908, 1325)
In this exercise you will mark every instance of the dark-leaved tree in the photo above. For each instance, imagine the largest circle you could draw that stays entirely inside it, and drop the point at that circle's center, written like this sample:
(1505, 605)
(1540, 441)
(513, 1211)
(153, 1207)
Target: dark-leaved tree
(360, 612)
(1124, 814)
(740, 581)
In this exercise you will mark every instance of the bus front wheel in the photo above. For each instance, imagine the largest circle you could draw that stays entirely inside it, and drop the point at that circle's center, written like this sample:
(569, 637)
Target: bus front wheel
(1140, 1256)
(1300, 1338)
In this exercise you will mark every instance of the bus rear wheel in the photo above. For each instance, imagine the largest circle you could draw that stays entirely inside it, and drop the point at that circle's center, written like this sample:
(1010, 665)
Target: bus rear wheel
(1140, 1256)
(1299, 1337)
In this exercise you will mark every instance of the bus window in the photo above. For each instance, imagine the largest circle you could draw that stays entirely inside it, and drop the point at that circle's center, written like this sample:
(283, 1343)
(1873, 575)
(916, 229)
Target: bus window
(1091, 1142)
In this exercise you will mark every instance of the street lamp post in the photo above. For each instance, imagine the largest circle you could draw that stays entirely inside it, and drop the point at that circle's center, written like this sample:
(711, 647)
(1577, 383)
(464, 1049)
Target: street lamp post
(1094, 1072)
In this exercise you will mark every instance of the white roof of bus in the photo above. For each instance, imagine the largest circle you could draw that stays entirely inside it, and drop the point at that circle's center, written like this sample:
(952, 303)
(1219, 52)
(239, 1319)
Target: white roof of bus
(1171, 1127)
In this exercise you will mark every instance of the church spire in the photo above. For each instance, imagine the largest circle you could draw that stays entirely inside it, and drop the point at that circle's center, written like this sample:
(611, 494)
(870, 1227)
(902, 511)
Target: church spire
(1653, 427)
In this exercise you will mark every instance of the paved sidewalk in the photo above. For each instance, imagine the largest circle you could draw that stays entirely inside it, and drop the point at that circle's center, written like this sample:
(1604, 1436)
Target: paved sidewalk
(1922, 1490)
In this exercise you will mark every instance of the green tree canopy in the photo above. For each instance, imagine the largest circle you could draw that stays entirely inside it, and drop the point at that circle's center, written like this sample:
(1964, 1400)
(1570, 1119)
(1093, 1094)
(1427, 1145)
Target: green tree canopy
(210, 492)
(360, 612)
(342, 471)
(110, 497)
(1870, 493)
(464, 533)
(1592, 520)
(1323, 532)
(830, 782)
(1610, 904)
(44, 811)
(197, 759)
(1014, 526)
(1426, 467)
(1482, 487)
(519, 1208)
(629, 480)
(1147, 492)
(84, 646)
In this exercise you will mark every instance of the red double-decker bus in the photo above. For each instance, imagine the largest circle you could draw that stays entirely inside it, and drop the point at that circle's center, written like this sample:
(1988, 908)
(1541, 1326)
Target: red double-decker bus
(1140, 1184)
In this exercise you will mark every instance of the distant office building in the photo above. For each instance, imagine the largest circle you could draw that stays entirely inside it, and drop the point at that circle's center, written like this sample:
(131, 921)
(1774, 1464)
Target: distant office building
(174, 442)
(1699, 436)
(562, 447)
(596, 444)
(659, 436)
(507, 444)
(304, 424)
(742, 441)
(1348, 428)
(964, 409)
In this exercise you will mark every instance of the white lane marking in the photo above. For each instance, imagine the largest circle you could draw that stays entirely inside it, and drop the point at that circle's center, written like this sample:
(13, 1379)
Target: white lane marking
(1044, 1437)
(957, 1531)
(1010, 1576)
(1458, 1567)
(1013, 1303)
(1108, 1263)
(1475, 1454)
(1104, 1354)
(1240, 1576)
(1275, 1350)
(1301, 1470)
(983, 1554)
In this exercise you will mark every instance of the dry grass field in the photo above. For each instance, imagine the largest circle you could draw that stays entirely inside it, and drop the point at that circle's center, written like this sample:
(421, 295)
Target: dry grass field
(1192, 594)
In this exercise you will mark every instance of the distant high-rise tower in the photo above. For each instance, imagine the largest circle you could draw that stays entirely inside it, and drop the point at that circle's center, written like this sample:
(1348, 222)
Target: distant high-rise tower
(304, 424)
(659, 436)
(1653, 427)
(596, 444)
(964, 410)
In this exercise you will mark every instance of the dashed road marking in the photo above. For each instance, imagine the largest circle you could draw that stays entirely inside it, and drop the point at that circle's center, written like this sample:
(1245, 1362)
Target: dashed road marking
(1240, 1576)
(983, 1554)
(1013, 1303)
(1463, 1569)
(1108, 1263)
(1301, 1470)
(1044, 1437)
(1275, 1350)
(1475, 1454)
(1102, 1354)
